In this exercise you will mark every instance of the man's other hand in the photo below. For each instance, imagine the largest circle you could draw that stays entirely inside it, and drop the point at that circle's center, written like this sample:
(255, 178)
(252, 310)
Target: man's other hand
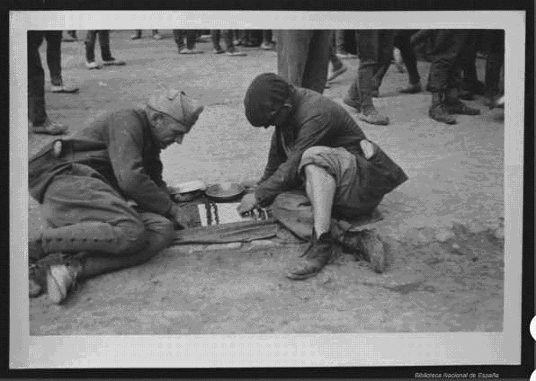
(248, 203)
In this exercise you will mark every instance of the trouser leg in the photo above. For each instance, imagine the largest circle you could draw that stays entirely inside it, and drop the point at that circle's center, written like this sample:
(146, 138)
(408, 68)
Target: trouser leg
(227, 35)
(179, 38)
(368, 49)
(86, 214)
(402, 42)
(89, 42)
(468, 61)
(159, 235)
(191, 36)
(53, 38)
(339, 41)
(303, 57)
(292, 53)
(336, 63)
(494, 62)
(36, 79)
(215, 37)
(267, 36)
(316, 68)
(445, 52)
(385, 55)
(104, 42)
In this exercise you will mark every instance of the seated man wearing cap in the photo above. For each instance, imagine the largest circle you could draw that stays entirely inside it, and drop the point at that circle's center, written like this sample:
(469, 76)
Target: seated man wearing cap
(319, 160)
(86, 185)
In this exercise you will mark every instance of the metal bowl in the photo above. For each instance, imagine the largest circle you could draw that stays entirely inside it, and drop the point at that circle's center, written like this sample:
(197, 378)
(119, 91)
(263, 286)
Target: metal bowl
(224, 191)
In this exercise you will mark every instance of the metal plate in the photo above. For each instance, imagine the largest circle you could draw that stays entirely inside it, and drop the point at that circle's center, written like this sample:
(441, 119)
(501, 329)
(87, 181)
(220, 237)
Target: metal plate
(188, 187)
(224, 191)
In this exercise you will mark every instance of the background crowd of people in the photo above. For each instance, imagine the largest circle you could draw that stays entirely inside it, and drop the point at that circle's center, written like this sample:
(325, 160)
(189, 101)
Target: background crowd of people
(304, 58)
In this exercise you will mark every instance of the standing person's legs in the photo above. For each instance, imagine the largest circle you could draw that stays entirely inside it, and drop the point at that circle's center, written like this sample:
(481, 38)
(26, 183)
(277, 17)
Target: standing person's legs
(191, 36)
(230, 49)
(106, 53)
(54, 39)
(136, 35)
(292, 53)
(445, 54)
(385, 56)
(178, 36)
(402, 42)
(370, 57)
(494, 63)
(353, 97)
(104, 42)
(267, 43)
(91, 38)
(337, 66)
(37, 115)
(296, 51)
(215, 35)
(36, 80)
(316, 68)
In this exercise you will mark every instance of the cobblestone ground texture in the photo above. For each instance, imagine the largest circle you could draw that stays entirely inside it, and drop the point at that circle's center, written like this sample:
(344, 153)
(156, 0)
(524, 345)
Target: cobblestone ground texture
(443, 228)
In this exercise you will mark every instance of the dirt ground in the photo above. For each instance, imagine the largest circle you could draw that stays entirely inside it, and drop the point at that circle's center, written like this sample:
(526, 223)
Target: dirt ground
(443, 228)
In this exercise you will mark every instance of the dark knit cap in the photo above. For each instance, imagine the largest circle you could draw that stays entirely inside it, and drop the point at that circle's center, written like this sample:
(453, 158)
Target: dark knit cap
(264, 98)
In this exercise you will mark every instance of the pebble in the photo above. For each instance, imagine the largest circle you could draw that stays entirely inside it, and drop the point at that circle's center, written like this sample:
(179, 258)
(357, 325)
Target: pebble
(444, 235)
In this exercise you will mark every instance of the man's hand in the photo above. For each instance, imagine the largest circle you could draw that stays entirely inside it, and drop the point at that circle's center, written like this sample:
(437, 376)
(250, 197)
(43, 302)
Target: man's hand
(248, 203)
(179, 219)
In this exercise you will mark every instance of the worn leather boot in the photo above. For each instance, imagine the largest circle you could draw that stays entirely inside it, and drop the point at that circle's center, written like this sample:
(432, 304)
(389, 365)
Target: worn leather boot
(366, 245)
(315, 257)
(438, 111)
(370, 115)
(455, 106)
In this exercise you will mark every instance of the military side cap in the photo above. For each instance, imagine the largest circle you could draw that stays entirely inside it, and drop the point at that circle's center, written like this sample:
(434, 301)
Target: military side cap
(177, 105)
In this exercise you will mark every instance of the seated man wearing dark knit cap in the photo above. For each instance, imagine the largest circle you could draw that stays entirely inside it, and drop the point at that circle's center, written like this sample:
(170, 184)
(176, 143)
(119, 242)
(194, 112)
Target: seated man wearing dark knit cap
(319, 159)
(86, 185)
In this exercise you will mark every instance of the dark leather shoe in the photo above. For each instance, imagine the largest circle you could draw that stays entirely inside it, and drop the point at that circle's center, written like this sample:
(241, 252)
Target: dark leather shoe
(365, 245)
(439, 113)
(456, 106)
(314, 258)
(352, 103)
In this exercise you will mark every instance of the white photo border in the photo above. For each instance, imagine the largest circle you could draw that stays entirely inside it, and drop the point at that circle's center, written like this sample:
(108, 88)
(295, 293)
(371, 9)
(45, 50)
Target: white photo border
(268, 350)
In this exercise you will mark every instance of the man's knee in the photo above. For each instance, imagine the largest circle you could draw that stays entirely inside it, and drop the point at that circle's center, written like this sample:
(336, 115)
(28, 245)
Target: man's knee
(160, 231)
(133, 236)
(325, 158)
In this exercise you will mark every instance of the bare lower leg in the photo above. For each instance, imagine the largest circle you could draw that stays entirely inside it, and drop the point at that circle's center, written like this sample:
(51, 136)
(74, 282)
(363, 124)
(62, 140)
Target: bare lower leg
(320, 188)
